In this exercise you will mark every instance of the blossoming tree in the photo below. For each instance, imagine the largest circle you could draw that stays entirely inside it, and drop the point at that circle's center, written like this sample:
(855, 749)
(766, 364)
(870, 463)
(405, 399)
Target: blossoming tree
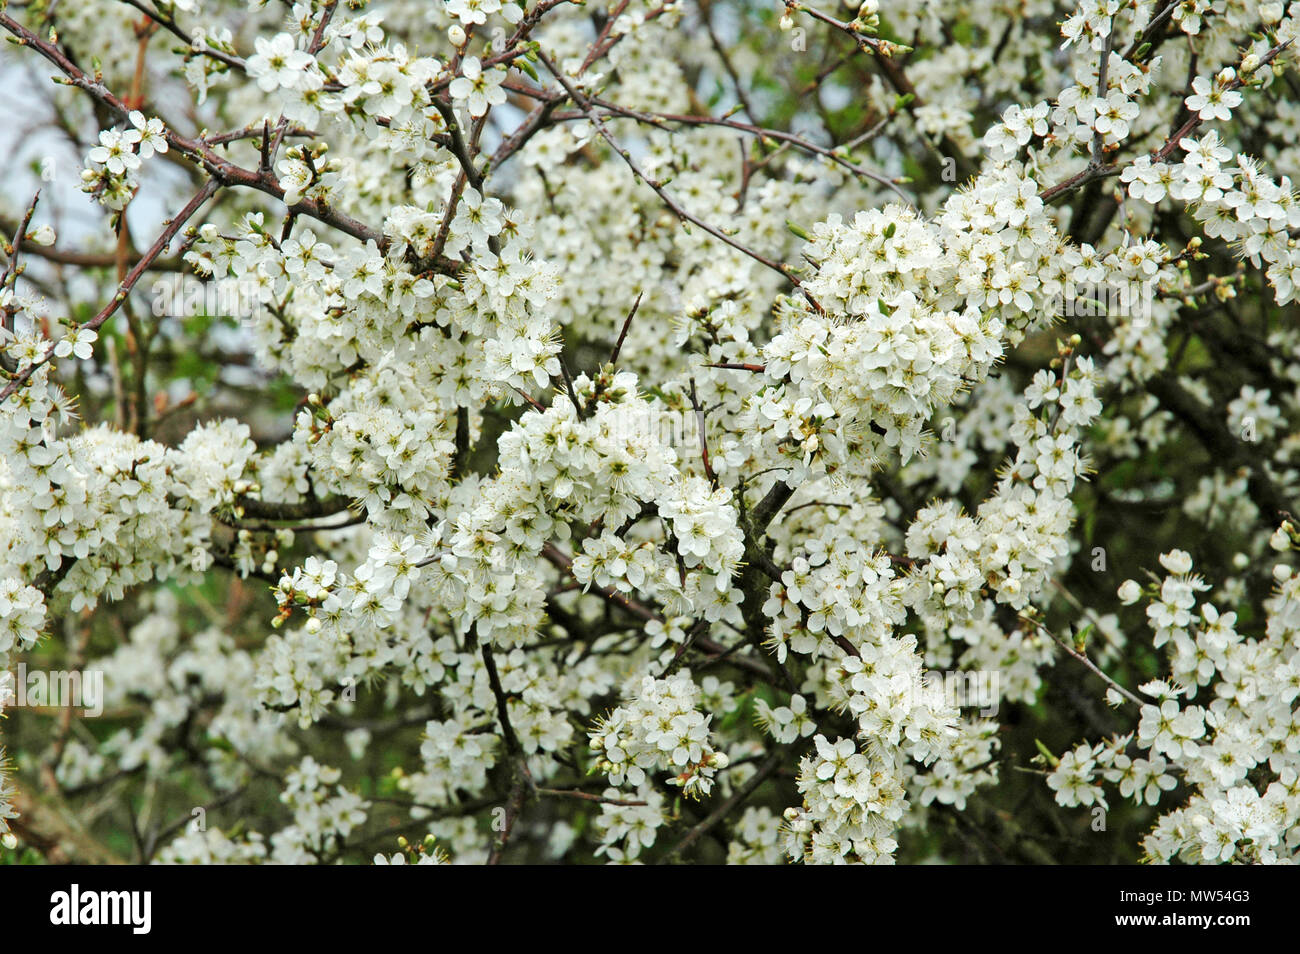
(652, 430)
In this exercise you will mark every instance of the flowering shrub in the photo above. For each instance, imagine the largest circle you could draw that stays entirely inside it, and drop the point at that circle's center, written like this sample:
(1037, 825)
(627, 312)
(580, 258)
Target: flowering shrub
(653, 430)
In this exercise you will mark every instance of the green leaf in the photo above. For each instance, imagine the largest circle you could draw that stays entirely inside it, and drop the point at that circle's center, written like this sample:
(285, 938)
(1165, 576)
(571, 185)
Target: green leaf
(1046, 752)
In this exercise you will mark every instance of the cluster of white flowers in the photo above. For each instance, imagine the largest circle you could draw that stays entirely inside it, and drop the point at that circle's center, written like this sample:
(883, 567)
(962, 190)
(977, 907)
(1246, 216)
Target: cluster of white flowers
(22, 615)
(907, 313)
(852, 801)
(1015, 538)
(1237, 752)
(491, 251)
(321, 824)
(660, 727)
(113, 173)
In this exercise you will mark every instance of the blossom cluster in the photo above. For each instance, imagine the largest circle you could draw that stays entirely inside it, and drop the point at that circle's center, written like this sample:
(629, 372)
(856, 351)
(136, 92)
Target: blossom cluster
(659, 728)
(988, 364)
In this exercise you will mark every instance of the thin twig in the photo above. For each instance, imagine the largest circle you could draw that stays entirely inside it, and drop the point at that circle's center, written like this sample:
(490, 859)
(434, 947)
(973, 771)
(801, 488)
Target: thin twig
(627, 323)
